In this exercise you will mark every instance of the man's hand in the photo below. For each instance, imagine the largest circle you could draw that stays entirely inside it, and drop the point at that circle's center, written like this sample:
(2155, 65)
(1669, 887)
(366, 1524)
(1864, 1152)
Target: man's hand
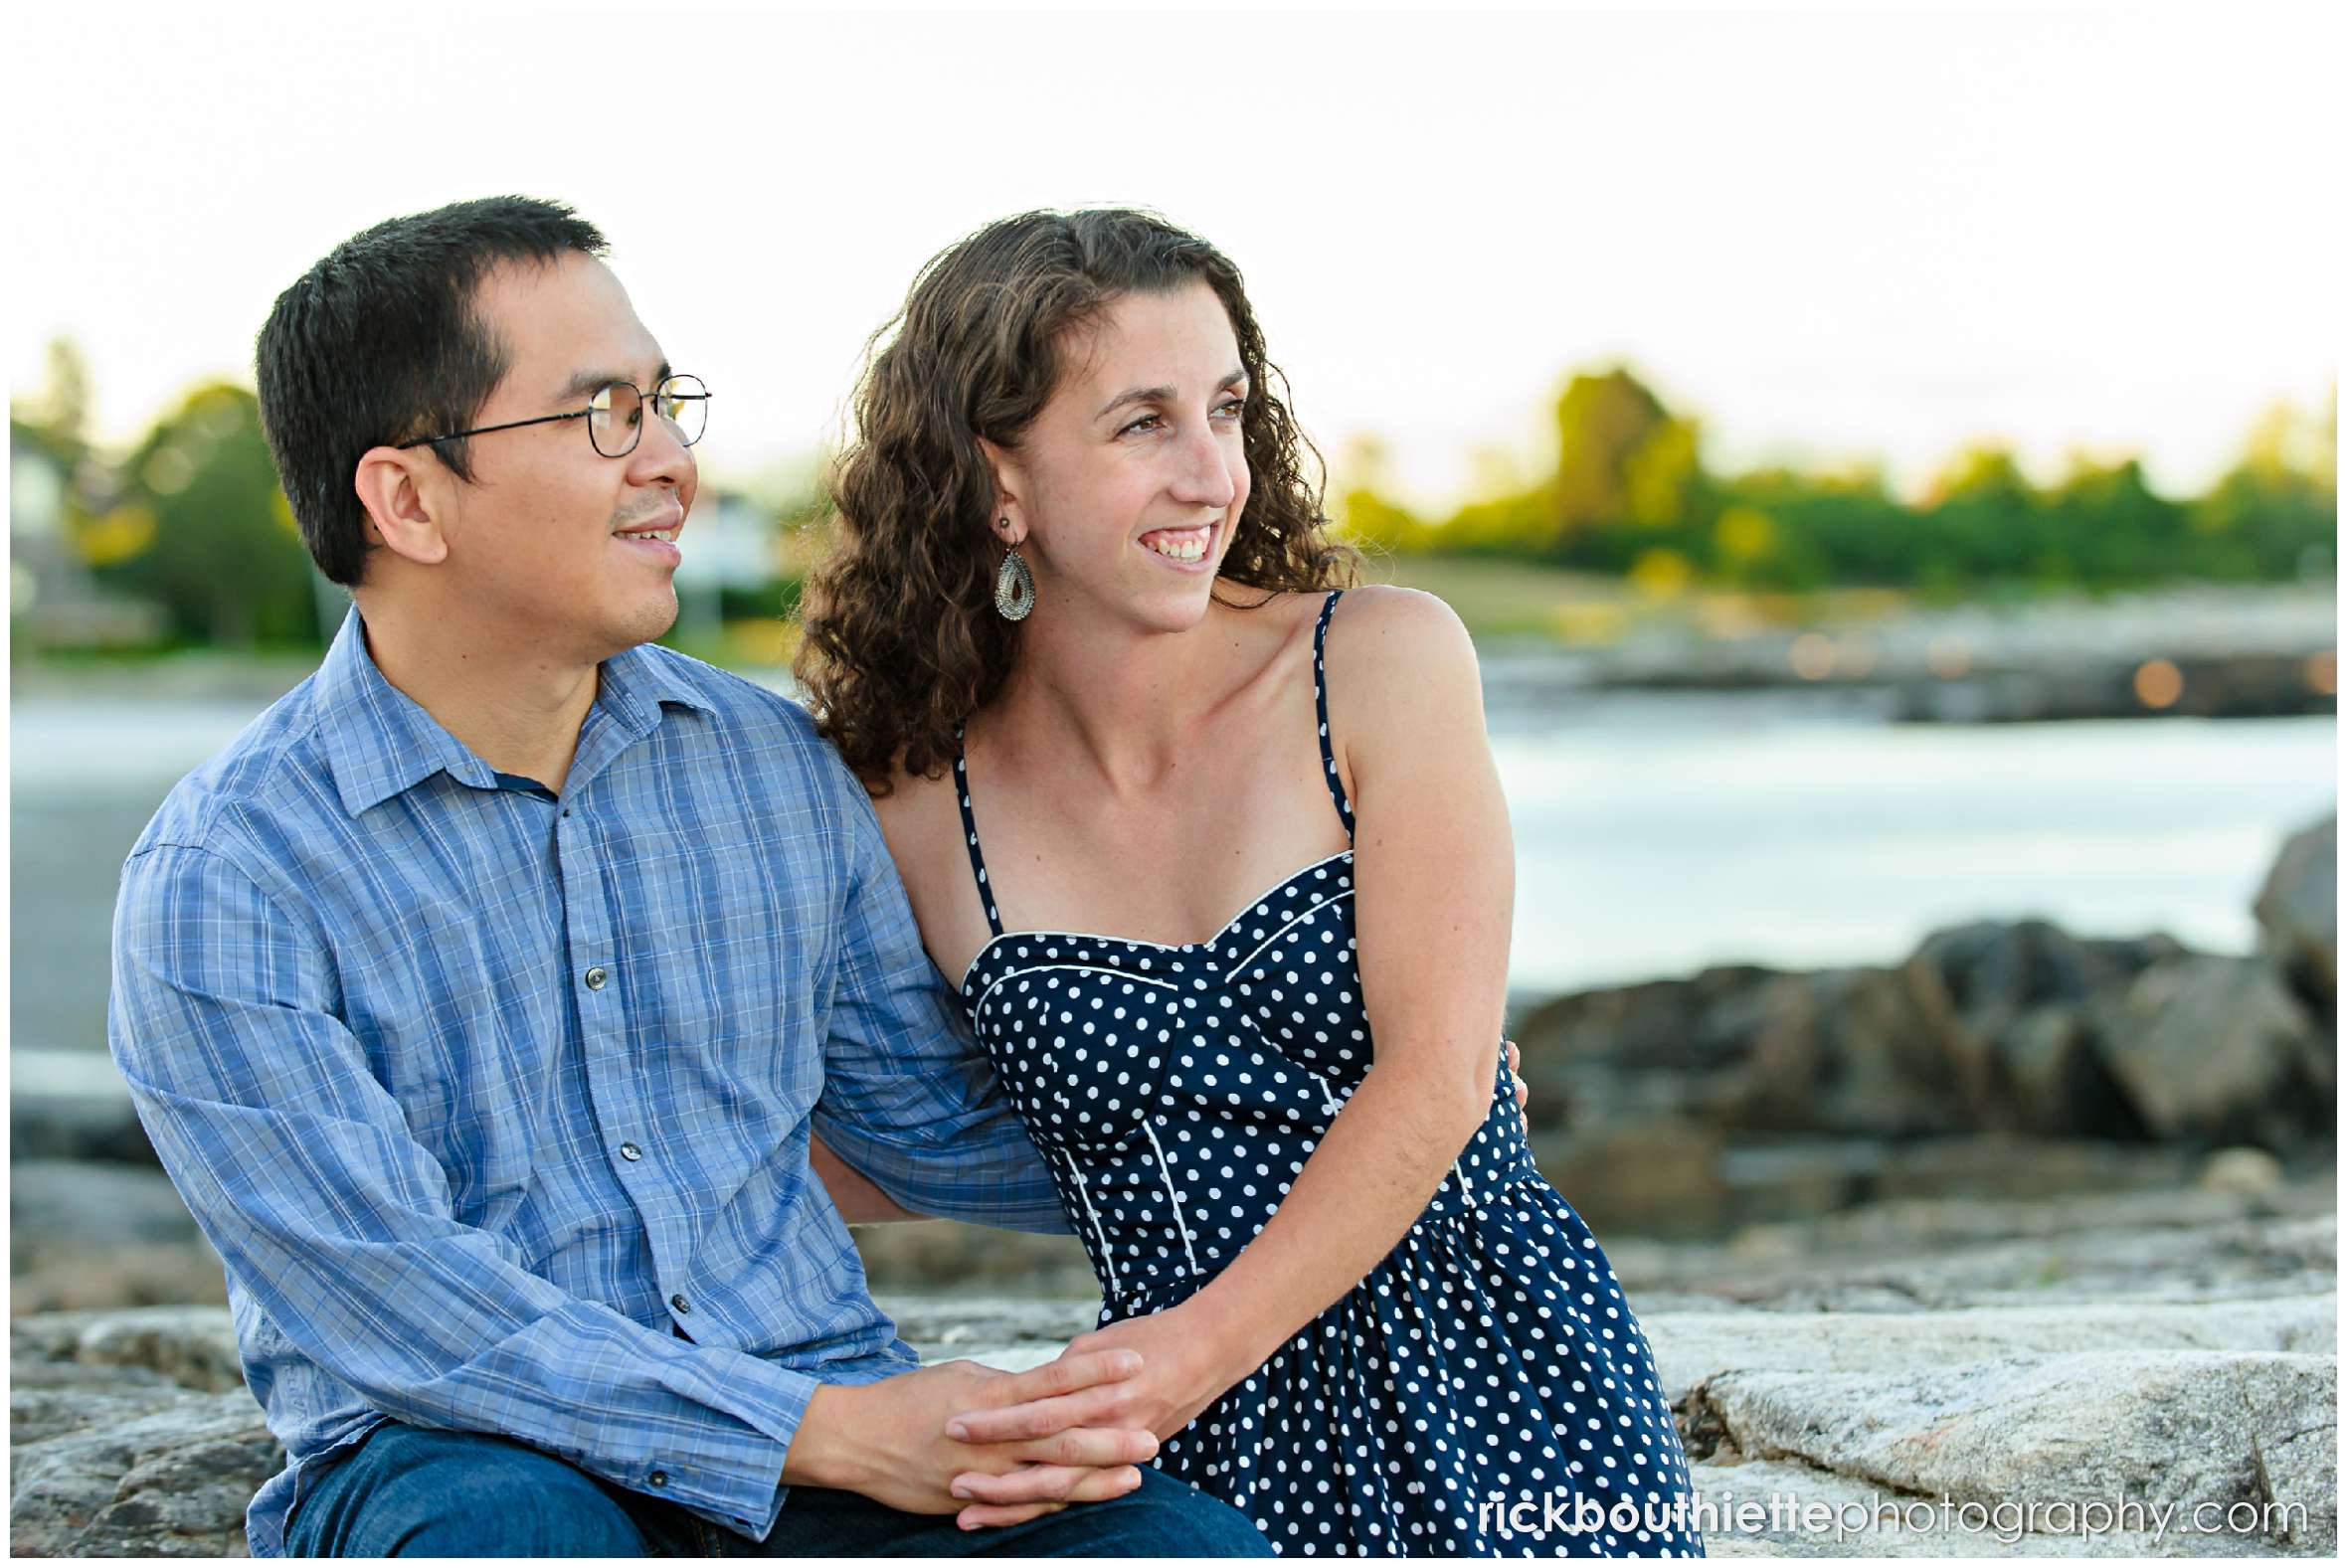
(888, 1441)
(1515, 1071)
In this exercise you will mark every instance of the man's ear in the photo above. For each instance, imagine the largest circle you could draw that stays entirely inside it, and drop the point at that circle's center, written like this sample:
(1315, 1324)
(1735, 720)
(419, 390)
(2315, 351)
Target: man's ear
(408, 495)
(1009, 483)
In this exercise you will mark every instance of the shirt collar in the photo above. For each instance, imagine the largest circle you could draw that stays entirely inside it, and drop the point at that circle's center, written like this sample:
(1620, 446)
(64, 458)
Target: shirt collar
(379, 741)
(637, 682)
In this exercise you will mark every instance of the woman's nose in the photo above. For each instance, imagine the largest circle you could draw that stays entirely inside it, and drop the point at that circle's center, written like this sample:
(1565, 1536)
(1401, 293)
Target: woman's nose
(1206, 470)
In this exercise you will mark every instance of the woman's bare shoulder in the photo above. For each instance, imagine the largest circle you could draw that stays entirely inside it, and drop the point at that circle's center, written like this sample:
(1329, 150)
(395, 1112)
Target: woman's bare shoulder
(1401, 678)
(1383, 629)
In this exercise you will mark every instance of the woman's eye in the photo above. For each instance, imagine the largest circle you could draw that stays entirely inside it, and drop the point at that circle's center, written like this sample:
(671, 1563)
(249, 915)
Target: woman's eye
(1234, 408)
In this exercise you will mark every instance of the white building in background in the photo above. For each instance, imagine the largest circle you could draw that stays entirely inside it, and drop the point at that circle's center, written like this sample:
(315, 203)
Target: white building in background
(36, 521)
(728, 542)
(51, 598)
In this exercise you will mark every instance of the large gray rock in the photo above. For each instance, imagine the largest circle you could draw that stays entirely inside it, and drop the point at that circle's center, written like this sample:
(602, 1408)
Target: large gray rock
(1841, 1052)
(2028, 1406)
(131, 1435)
(1659, 1050)
(172, 1483)
(2021, 990)
(2219, 1051)
(2183, 1431)
(2298, 912)
(1995, 970)
(98, 1125)
(1879, 1052)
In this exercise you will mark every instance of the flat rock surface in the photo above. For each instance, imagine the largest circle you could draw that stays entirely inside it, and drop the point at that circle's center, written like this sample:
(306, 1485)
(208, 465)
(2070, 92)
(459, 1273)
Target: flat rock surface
(1916, 1379)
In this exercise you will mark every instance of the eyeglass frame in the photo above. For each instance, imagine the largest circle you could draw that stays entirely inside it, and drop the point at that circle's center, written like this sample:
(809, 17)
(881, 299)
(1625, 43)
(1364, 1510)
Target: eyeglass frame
(703, 395)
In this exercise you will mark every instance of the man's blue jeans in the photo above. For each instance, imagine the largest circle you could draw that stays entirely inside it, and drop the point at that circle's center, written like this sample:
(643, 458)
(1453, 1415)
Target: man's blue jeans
(413, 1492)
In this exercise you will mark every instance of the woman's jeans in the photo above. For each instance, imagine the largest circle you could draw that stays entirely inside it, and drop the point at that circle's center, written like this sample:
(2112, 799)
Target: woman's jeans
(415, 1492)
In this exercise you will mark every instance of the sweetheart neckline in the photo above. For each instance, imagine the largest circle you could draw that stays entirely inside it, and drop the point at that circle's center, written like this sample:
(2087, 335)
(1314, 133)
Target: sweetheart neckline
(1142, 942)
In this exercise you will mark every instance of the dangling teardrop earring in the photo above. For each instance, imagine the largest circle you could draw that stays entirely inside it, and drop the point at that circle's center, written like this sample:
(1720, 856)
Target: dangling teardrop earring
(1015, 585)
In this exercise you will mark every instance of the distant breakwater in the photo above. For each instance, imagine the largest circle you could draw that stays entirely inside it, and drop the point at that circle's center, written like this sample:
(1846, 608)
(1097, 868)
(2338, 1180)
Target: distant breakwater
(2208, 651)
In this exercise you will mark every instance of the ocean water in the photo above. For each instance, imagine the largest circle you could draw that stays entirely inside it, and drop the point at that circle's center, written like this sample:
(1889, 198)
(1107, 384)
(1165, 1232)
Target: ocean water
(1653, 834)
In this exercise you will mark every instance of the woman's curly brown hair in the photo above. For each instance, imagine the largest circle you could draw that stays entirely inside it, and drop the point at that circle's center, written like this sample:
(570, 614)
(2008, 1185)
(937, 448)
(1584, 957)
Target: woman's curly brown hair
(901, 639)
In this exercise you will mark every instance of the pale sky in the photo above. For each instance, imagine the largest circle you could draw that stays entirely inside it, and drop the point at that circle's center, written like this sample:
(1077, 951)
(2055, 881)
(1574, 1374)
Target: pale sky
(1827, 234)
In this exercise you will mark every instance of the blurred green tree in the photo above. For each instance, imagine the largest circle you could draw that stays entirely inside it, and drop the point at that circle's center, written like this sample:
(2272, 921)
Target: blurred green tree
(1603, 424)
(1631, 497)
(1978, 520)
(2275, 511)
(2106, 524)
(222, 554)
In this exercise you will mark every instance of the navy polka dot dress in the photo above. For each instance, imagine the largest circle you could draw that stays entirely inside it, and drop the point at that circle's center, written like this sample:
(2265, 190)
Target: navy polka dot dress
(1488, 1365)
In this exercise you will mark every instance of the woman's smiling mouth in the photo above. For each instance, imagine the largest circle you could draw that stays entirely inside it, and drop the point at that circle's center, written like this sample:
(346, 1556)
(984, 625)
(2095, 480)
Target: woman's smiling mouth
(1181, 546)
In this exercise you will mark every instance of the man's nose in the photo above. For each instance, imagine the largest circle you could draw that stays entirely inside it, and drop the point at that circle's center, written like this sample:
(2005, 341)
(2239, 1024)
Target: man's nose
(661, 456)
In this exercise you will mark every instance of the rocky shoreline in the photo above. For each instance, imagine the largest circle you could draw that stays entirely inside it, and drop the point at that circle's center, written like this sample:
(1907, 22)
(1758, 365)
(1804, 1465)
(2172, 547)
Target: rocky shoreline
(1834, 1377)
(2209, 650)
(1686, 1105)
(1936, 1258)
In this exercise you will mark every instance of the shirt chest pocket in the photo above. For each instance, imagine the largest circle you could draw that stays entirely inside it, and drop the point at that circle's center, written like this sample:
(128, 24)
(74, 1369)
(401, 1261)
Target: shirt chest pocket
(724, 943)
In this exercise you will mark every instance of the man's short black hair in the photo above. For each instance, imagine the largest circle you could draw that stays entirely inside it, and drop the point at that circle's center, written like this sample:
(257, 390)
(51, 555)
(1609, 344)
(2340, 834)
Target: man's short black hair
(379, 343)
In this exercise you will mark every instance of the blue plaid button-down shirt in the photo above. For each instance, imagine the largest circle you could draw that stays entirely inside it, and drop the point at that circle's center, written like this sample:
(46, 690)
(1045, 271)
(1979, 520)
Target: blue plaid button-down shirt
(496, 1104)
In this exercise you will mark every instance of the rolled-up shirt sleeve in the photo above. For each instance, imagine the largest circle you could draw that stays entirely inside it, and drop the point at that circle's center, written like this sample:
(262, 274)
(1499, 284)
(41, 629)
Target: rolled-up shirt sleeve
(299, 1168)
(909, 1096)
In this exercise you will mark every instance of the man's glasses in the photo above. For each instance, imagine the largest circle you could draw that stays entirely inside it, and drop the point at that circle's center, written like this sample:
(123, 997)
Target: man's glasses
(614, 415)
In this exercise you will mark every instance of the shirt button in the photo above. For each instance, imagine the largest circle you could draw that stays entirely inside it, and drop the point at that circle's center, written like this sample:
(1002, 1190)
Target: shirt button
(594, 978)
(680, 1304)
(631, 1151)
(658, 1477)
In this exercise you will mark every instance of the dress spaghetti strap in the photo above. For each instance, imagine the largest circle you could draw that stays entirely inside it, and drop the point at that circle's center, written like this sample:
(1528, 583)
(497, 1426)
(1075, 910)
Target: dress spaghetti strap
(1319, 701)
(977, 861)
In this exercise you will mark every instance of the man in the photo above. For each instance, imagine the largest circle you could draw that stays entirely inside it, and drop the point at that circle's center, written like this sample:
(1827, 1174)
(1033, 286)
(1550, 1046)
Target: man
(482, 996)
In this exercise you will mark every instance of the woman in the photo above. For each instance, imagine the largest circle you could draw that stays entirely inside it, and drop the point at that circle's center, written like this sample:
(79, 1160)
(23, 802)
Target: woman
(1084, 636)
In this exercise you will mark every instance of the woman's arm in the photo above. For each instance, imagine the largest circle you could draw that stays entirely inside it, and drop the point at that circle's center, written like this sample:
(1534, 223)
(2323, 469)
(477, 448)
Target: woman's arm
(856, 1200)
(1434, 875)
